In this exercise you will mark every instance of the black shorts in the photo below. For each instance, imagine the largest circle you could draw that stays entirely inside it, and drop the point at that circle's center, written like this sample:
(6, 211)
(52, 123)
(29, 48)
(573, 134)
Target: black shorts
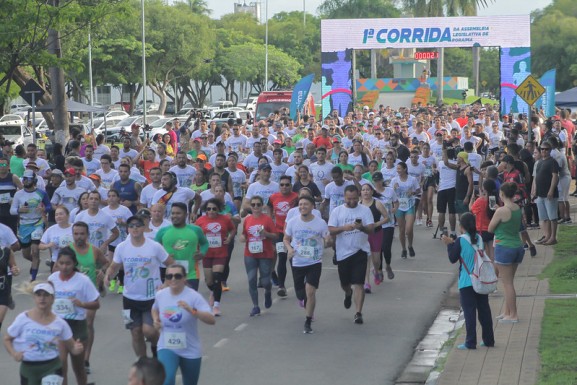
(353, 269)
(429, 182)
(111, 248)
(6, 290)
(139, 312)
(307, 274)
(446, 198)
(487, 236)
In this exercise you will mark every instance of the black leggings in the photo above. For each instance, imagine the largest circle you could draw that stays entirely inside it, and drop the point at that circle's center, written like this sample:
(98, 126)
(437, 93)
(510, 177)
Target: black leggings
(281, 269)
(388, 233)
(226, 271)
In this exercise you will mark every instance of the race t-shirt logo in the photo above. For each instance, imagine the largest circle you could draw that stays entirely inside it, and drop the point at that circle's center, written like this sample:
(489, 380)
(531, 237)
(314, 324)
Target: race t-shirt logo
(214, 228)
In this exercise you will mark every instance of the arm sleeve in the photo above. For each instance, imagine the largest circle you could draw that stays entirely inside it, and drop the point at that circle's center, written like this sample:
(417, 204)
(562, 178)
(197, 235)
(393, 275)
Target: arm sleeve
(454, 250)
(202, 241)
(14, 205)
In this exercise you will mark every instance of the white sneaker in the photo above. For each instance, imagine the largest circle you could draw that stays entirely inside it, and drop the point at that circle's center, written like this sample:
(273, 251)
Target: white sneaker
(419, 222)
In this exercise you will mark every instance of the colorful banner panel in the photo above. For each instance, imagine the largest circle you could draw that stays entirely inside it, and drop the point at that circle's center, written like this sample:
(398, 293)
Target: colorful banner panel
(515, 67)
(336, 83)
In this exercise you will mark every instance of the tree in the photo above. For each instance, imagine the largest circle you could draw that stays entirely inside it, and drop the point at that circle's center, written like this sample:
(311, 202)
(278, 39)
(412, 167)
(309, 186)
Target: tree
(554, 42)
(357, 9)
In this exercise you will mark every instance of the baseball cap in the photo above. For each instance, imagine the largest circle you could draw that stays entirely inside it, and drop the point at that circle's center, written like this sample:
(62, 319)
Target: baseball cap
(135, 218)
(70, 171)
(265, 166)
(365, 107)
(32, 164)
(95, 177)
(463, 155)
(144, 213)
(197, 140)
(57, 172)
(201, 157)
(28, 174)
(45, 286)
(277, 142)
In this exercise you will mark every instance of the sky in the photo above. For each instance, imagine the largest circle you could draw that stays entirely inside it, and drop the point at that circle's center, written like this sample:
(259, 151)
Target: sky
(497, 7)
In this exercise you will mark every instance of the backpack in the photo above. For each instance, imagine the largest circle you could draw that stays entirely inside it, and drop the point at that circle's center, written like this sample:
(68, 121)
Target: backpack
(482, 275)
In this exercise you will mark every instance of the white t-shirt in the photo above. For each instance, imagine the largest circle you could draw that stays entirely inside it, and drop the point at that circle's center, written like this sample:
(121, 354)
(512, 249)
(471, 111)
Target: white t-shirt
(320, 172)
(207, 194)
(106, 179)
(355, 159)
(447, 176)
(62, 237)
(84, 182)
(147, 194)
(336, 194)
(294, 212)
(236, 143)
(141, 268)
(7, 236)
(99, 226)
(428, 163)
(130, 153)
(389, 174)
(120, 215)
(185, 176)
(91, 166)
(238, 177)
(388, 198)
(42, 164)
(261, 190)
(181, 194)
(79, 286)
(101, 150)
(278, 171)
(495, 138)
(67, 197)
(307, 240)
(350, 242)
(38, 342)
(179, 331)
(475, 162)
(417, 172)
(405, 191)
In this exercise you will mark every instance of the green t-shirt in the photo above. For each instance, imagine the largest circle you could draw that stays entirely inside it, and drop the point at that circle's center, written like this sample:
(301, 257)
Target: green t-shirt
(182, 243)
(345, 167)
(290, 150)
(368, 176)
(193, 153)
(198, 189)
(297, 138)
(17, 166)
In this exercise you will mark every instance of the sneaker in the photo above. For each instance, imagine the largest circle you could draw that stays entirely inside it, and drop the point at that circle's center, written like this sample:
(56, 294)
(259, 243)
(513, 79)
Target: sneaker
(255, 311)
(348, 299)
(368, 288)
(568, 221)
(120, 289)
(112, 286)
(404, 254)
(301, 303)
(377, 277)
(267, 299)
(224, 286)
(561, 221)
(390, 274)
(281, 292)
(102, 290)
(11, 303)
(429, 223)
(419, 222)
(87, 367)
(216, 311)
(411, 251)
(381, 276)
(307, 328)
(274, 279)
(358, 318)
(48, 262)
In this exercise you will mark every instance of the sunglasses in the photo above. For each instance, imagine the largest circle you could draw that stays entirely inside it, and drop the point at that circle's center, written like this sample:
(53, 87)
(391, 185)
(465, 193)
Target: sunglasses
(285, 184)
(170, 277)
(135, 225)
(544, 149)
(212, 209)
(256, 204)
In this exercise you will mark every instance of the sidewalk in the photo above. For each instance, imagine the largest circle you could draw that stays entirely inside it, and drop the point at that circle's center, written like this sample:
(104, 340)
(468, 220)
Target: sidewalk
(515, 358)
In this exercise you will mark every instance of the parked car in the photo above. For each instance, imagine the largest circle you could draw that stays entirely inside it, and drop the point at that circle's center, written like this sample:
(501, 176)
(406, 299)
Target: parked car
(11, 119)
(225, 115)
(221, 104)
(98, 124)
(18, 107)
(248, 103)
(112, 114)
(130, 120)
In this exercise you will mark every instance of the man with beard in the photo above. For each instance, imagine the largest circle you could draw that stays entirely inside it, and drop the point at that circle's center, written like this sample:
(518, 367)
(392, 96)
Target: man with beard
(68, 194)
(30, 204)
(150, 189)
(184, 172)
(128, 189)
(171, 193)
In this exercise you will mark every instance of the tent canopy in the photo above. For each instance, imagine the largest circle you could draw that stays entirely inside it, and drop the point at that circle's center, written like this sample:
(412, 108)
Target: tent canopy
(72, 106)
(566, 98)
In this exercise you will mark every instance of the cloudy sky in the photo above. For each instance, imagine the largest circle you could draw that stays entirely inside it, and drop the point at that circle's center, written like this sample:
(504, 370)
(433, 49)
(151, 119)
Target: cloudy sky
(497, 7)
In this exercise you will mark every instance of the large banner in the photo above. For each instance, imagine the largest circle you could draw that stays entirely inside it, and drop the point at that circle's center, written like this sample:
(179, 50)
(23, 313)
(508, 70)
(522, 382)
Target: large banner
(515, 67)
(300, 95)
(547, 101)
(429, 32)
(336, 83)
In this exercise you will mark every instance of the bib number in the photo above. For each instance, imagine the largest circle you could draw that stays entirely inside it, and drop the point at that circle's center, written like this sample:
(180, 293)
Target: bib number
(52, 379)
(280, 247)
(37, 233)
(214, 241)
(255, 247)
(175, 340)
(403, 204)
(5, 198)
(63, 307)
(306, 251)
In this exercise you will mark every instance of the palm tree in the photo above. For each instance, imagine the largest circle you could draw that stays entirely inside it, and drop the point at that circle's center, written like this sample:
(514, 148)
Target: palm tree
(199, 7)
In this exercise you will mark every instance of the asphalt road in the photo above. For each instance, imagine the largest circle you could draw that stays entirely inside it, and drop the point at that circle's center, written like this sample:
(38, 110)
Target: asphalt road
(272, 348)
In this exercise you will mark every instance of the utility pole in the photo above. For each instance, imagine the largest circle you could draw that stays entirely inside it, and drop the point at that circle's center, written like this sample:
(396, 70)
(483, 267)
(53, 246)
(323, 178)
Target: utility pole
(60, 110)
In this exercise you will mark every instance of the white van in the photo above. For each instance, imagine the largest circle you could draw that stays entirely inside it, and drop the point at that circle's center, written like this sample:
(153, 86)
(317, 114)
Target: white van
(16, 133)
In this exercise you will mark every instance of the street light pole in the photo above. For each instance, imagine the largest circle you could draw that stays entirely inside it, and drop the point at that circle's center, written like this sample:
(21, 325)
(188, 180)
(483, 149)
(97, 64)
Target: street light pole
(90, 79)
(304, 14)
(143, 66)
(266, 49)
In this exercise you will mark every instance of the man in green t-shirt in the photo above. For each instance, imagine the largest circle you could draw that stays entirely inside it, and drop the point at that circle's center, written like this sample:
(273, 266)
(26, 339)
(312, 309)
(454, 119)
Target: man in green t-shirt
(184, 242)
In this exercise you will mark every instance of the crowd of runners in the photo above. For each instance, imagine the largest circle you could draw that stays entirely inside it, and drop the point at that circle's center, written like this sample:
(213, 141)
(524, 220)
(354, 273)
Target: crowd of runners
(150, 219)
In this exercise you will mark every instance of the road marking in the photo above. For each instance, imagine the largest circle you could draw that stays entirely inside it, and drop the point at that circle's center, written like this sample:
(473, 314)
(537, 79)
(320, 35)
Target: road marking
(240, 327)
(221, 343)
(408, 271)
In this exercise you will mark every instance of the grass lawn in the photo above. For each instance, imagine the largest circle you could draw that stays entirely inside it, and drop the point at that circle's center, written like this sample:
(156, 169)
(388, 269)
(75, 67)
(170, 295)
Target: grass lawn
(558, 344)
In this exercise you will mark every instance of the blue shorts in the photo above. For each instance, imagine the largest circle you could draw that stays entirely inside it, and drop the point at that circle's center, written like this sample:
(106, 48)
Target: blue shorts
(30, 233)
(547, 208)
(508, 256)
(401, 213)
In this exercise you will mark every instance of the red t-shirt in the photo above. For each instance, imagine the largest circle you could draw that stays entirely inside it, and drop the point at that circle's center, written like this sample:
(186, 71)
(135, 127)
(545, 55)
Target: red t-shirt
(479, 209)
(254, 240)
(146, 166)
(216, 231)
(281, 204)
(319, 141)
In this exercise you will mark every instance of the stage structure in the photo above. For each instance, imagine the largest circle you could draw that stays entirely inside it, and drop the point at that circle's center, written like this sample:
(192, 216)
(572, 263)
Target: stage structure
(340, 38)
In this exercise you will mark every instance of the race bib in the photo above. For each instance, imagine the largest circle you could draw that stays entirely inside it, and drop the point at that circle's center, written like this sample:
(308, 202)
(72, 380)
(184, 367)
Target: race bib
(5, 198)
(37, 233)
(428, 172)
(183, 264)
(63, 242)
(126, 317)
(280, 247)
(255, 247)
(214, 241)
(403, 204)
(52, 379)
(63, 307)
(175, 340)
(306, 251)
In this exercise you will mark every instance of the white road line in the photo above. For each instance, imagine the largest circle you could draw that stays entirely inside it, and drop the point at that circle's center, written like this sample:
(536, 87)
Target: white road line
(221, 343)
(240, 327)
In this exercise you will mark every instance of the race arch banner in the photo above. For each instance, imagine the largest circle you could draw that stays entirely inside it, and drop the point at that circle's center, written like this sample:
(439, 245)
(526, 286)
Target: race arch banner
(340, 36)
